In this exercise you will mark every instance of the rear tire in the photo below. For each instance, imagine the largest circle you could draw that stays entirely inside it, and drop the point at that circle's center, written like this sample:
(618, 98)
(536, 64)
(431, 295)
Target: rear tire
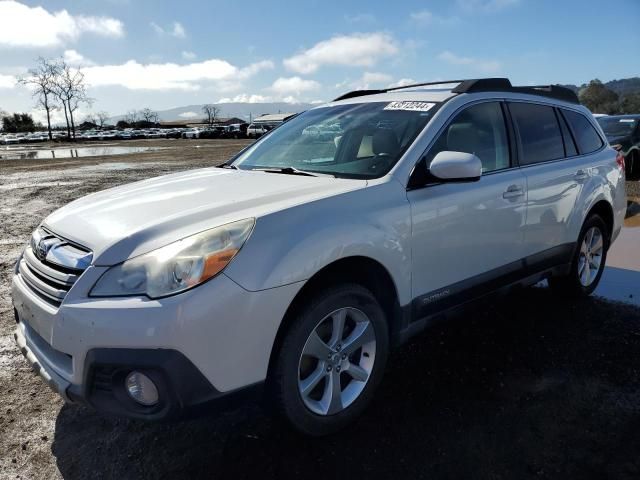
(330, 361)
(588, 261)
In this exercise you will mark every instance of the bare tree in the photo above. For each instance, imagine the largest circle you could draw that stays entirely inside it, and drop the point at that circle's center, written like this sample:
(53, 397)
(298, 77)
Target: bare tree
(149, 115)
(131, 117)
(90, 118)
(211, 112)
(71, 89)
(41, 79)
(102, 118)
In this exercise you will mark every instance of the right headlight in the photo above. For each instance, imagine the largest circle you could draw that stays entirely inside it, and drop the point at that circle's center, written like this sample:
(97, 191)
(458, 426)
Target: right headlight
(176, 267)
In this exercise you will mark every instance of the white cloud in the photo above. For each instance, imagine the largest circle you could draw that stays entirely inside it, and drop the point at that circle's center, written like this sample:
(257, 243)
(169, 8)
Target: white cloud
(360, 18)
(189, 115)
(176, 30)
(73, 57)
(36, 27)
(471, 6)
(168, 76)
(188, 55)
(359, 49)
(295, 85)
(246, 98)
(7, 81)
(402, 83)
(425, 17)
(370, 79)
(255, 68)
(157, 28)
(475, 63)
(376, 77)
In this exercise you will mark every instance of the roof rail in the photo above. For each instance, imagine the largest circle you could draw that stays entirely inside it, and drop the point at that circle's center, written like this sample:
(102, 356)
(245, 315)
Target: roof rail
(483, 85)
(357, 93)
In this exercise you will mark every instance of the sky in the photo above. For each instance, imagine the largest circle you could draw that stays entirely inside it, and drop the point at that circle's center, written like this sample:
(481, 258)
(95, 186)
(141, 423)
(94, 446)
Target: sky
(164, 54)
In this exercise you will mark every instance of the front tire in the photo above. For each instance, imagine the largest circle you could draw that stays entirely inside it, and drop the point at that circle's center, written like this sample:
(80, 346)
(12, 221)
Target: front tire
(588, 261)
(330, 361)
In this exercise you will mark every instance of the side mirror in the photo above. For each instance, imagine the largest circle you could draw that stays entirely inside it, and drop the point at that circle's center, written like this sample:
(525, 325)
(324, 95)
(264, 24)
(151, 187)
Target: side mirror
(456, 166)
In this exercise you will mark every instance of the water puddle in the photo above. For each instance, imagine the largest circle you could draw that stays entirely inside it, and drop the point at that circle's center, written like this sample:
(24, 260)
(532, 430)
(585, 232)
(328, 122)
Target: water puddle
(81, 152)
(621, 278)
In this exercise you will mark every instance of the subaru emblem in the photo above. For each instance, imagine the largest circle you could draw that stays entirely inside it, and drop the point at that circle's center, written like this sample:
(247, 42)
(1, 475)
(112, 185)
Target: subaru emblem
(42, 248)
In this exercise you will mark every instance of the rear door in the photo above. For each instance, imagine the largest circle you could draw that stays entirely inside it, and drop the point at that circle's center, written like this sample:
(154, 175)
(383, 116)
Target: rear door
(468, 235)
(556, 174)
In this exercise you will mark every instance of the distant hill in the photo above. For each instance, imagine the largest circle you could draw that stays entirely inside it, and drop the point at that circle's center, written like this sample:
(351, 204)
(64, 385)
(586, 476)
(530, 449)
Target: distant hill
(237, 109)
(622, 87)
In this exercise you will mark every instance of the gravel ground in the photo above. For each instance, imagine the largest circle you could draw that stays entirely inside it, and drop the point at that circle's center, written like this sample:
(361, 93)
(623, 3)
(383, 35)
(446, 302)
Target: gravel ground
(550, 390)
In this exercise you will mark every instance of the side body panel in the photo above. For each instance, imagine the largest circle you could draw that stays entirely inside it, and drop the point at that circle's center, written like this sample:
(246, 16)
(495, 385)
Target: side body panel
(461, 230)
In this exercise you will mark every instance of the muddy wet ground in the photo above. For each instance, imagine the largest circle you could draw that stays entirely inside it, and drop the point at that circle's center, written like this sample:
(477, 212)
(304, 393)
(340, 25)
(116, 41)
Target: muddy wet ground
(531, 386)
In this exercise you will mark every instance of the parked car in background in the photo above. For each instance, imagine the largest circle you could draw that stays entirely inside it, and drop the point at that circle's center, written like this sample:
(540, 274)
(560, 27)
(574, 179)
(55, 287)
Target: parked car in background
(256, 130)
(192, 133)
(623, 133)
(294, 268)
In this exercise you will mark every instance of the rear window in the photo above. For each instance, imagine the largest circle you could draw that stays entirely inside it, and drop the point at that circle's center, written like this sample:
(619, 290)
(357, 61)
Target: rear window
(540, 137)
(586, 136)
(570, 149)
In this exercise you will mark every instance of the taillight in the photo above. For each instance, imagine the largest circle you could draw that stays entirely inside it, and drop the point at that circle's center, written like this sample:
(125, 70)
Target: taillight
(620, 160)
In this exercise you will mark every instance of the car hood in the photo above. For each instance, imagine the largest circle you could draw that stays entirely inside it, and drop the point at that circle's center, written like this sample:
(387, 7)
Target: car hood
(133, 219)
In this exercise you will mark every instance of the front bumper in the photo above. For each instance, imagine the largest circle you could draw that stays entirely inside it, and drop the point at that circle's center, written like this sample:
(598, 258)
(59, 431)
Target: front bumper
(210, 345)
(182, 389)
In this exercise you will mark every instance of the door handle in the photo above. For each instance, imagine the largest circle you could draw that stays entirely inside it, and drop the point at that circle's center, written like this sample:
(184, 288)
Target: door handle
(513, 191)
(581, 175)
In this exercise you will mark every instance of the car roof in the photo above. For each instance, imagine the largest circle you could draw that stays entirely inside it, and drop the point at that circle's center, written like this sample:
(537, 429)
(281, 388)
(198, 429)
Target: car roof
(442, 91)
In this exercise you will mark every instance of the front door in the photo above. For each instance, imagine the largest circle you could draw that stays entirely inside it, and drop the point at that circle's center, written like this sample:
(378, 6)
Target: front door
(468, 235)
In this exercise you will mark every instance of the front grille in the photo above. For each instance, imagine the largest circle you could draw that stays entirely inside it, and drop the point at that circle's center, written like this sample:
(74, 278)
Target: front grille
(53, 273)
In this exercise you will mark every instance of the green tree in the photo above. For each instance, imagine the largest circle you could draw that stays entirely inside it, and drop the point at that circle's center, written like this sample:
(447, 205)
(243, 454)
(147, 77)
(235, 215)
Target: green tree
(630, 103)
(598, 98)
(18, 122)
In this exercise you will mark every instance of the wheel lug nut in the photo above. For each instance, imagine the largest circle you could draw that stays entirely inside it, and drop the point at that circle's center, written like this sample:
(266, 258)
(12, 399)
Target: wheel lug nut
(337, 369)
(329, 368)
(344, 356)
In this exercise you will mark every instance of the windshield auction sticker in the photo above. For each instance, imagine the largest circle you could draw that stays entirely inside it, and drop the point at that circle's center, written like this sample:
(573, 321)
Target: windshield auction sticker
(411, 106)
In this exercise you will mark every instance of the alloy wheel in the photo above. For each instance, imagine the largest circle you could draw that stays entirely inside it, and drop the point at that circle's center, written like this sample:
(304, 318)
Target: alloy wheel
(336, 361)
(590, 260)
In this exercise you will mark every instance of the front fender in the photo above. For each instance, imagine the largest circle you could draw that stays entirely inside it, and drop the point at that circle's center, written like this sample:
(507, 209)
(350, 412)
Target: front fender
(292, 245)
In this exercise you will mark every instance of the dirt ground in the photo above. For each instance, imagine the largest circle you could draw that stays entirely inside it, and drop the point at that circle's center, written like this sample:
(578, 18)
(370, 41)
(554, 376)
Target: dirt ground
(529, 387)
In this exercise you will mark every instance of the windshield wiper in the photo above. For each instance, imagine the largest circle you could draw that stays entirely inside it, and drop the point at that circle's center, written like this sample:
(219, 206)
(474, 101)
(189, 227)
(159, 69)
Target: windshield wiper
(286, 171)
(228, 165)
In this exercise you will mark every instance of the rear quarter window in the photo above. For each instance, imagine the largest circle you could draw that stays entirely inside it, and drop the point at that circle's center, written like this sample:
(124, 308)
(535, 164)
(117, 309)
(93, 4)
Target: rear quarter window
(539, 132)
(585, 134)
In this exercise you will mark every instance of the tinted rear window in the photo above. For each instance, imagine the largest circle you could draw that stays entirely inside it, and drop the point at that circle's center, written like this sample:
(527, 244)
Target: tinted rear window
(570, 149)
(539, 133)
(586, 136)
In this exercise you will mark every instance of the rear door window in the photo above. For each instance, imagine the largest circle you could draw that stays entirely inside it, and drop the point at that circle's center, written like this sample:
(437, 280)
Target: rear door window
(586, 136)
(538, 131)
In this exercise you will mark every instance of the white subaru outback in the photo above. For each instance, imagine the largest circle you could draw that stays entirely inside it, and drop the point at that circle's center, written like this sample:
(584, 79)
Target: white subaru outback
(298, 264)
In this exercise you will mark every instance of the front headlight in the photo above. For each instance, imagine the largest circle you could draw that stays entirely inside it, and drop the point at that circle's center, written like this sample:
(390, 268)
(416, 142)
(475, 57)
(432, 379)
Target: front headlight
(176, 267)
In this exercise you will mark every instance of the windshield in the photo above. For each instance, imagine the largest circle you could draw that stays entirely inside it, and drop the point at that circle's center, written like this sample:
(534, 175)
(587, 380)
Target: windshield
(617, 127)
(363, 140)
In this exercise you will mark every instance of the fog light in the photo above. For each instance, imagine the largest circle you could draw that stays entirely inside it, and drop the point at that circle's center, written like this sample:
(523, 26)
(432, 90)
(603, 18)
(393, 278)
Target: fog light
(141, 388)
